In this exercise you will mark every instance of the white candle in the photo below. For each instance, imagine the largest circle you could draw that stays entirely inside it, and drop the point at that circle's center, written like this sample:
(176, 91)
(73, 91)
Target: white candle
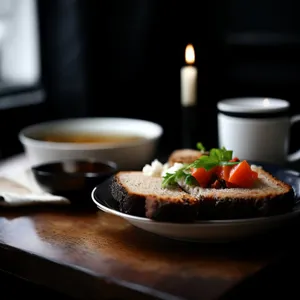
(188, 76)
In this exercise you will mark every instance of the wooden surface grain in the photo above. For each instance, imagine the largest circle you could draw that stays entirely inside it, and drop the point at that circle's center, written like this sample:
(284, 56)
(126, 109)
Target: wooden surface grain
(51, 247)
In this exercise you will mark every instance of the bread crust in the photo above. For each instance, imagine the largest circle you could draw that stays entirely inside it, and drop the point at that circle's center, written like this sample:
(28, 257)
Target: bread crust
(166, 210)
(241, 208)
(129, 203)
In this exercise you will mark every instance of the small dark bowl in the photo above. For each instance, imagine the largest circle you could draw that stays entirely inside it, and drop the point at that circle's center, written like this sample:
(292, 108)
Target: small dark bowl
(73, 179)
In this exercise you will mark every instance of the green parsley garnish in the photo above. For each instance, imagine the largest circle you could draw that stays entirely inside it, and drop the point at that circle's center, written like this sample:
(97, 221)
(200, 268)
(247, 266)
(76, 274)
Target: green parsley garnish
(200, 147)
(216, 157)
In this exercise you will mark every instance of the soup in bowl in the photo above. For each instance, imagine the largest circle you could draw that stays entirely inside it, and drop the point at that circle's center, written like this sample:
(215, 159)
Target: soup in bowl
(84, 138)
(130, 143)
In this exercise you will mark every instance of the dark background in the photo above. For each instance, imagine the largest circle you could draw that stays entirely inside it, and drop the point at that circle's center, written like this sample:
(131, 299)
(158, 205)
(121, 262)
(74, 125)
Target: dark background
(123, 58)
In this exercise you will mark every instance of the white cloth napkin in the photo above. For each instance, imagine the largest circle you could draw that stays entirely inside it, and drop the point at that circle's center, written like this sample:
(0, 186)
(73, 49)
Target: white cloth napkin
(19, 188)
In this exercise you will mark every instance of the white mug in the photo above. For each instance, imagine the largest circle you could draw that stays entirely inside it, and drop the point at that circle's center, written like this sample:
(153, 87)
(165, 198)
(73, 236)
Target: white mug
(256, 128)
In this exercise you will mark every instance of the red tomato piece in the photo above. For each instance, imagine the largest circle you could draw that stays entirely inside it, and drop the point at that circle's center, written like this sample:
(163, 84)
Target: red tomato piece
(242, 175)
(203, 176)
(224, 171)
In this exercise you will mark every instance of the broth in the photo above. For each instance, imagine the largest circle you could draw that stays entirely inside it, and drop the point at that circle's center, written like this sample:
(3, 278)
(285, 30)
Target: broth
(88, 138)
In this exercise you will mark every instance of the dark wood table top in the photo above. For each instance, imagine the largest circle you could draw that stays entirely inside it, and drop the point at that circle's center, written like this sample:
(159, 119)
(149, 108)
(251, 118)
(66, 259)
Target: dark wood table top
(92, 254)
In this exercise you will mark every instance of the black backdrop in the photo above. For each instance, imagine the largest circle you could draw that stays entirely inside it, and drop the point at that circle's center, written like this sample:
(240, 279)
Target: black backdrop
(123, 58)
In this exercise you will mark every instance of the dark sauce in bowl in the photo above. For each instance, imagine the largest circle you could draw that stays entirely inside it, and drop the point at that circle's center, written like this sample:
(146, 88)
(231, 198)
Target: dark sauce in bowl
(73, 179)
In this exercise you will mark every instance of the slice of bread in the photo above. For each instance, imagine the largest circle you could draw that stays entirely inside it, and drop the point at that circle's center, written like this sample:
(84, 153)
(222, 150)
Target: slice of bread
(141, 195)
(144, 196)
(184, 156)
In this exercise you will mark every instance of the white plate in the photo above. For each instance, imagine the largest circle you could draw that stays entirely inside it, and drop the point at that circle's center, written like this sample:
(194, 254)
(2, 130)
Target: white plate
(205, 231)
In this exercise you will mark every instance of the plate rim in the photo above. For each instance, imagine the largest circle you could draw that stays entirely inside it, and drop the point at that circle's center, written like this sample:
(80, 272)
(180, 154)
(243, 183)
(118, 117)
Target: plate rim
(227, 222)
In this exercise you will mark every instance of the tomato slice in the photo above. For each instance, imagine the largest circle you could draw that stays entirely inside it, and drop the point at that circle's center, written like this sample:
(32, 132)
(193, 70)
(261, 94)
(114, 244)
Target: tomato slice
(242, 175)
(224, 171)
(203, 176)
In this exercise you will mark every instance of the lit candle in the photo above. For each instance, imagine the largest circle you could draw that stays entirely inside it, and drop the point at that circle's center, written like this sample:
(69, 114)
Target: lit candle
(189, 75)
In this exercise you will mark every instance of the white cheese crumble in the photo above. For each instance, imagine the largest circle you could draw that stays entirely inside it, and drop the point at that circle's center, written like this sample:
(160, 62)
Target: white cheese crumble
(255, 166)
(172, 169)
(155, 169)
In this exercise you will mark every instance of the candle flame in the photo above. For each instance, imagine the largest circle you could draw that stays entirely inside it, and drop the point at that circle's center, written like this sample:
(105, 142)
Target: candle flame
(266, 102)
(189, 54)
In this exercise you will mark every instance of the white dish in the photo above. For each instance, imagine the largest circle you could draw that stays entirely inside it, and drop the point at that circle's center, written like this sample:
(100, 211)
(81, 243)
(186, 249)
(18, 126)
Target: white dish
(127, 155)
(207, 231)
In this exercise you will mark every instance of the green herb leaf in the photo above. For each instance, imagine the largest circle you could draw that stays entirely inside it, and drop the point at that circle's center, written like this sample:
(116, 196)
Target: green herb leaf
(228, 163)
(169, 179)
(191, 180)
(221, 154)
(207, 162)
(200, 147)
(172, 178)
(216, 157)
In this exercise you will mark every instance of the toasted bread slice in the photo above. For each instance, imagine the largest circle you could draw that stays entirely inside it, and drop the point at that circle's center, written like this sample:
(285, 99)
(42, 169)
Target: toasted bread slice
(184, 156)
(144, 196)
(269, 196)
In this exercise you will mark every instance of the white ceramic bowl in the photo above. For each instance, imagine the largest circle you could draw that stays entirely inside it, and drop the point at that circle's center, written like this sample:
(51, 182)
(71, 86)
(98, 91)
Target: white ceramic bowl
(128, 155)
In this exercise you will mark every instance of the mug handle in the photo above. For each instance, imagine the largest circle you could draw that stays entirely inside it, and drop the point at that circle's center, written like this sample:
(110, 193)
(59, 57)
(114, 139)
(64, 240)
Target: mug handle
(292, 157)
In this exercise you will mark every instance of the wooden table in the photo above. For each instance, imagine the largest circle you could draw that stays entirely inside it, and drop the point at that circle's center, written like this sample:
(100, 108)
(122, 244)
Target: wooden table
(92, 255)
